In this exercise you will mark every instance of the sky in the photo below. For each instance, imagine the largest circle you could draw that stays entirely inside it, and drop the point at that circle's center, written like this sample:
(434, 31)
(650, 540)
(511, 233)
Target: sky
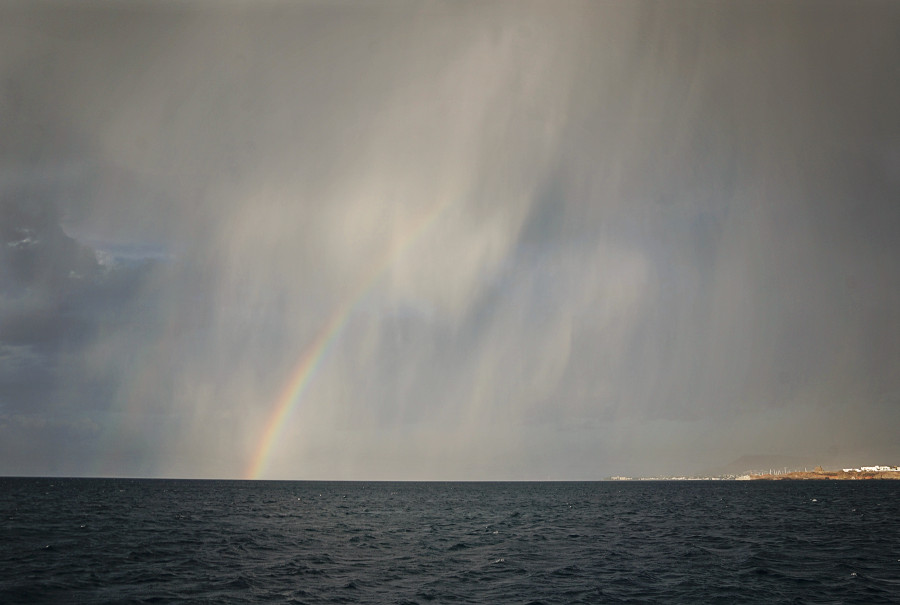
(403, 240)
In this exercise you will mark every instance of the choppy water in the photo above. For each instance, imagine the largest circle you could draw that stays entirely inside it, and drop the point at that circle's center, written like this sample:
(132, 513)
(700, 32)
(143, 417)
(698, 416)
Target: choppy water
(104, 541)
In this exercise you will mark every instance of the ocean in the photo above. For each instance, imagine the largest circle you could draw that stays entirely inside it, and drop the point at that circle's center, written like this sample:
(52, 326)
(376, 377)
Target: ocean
(163, 541)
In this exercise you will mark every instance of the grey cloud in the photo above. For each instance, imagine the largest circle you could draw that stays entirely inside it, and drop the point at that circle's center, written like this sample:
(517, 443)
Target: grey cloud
(55, 298)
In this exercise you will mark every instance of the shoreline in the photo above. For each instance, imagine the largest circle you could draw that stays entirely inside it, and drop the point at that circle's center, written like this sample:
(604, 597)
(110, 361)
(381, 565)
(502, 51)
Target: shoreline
(828, 476)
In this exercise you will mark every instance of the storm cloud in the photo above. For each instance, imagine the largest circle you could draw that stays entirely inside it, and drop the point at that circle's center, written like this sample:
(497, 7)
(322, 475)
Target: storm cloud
(571, 239)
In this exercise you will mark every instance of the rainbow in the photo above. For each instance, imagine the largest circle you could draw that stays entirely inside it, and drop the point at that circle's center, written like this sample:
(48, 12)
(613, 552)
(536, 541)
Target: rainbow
(296, 385)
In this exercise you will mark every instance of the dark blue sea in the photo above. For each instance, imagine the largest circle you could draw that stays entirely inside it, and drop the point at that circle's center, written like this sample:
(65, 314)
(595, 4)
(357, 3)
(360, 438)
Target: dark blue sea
(162, 541)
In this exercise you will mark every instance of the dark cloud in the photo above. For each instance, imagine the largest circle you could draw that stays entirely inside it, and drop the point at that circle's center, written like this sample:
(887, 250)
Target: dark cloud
(55, 298)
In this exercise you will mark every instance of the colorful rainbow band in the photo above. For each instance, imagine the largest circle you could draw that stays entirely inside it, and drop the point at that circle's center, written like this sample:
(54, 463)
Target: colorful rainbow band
(311, 360)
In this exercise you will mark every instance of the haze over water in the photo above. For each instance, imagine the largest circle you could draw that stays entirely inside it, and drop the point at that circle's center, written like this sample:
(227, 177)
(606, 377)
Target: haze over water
(413, 240)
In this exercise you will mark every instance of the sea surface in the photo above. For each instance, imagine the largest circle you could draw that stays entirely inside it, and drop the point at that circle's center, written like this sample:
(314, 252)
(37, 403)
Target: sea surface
(160, 541)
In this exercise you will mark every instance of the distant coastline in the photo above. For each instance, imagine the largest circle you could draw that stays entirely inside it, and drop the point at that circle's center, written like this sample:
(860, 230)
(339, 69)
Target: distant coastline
(846, 474)
(840, 475)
